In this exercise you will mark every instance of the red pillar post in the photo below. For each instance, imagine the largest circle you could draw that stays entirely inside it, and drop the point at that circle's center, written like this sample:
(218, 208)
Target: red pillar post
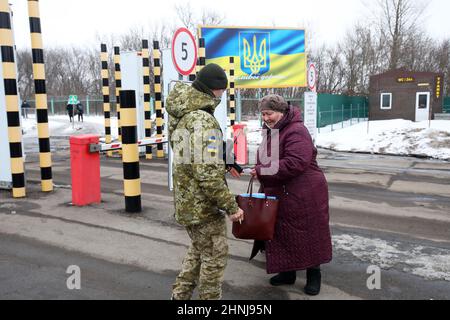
(85, 171)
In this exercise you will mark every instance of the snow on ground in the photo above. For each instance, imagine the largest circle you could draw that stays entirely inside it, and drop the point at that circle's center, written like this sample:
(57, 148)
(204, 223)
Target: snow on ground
(414, 259)
(61, 126)
(392, 137)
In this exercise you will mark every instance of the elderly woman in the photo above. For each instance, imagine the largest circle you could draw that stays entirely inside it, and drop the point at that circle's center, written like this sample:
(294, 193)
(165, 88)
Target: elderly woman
(302, 237)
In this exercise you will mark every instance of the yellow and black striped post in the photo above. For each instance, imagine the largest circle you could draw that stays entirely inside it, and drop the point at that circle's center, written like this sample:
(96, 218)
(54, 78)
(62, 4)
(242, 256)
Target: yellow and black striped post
(193, 76)
(232, 93)
(130, 152)
(147, 97)
(158, 96)
(106, 97)
(118, 77)
(9, 77)
(45, 156)
(201, 54)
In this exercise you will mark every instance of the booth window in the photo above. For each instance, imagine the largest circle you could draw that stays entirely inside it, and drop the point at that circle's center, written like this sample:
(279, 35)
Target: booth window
(386, 101)
(423, 101)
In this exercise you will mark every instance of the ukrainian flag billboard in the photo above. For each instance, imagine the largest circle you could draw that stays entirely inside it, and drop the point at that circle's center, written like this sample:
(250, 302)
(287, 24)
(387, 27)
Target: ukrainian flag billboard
(264, 58)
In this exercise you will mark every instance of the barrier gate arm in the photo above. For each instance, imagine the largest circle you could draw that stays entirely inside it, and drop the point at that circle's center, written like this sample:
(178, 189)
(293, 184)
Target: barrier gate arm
(101, 147)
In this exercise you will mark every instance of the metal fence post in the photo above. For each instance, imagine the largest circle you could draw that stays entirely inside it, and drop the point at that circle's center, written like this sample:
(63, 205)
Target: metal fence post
(87, 106)
(320, 121)
(52, 105)
(342, 113)
(358, 112)
(332, 117)
(351, 114)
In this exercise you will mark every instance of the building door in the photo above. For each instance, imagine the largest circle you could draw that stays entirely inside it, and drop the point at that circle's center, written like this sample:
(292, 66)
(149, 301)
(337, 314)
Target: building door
(422, 106)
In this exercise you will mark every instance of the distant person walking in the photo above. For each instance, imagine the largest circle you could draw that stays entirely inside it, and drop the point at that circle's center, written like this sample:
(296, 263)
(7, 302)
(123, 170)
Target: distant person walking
(70, 110)
(25, 107)
(80, 111)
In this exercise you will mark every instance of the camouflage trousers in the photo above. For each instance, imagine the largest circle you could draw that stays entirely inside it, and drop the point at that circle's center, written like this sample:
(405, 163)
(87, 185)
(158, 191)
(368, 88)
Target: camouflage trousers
(205, 262)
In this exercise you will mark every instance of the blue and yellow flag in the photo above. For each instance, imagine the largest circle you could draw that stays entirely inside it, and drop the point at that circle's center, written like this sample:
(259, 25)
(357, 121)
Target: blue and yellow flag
(264, 58)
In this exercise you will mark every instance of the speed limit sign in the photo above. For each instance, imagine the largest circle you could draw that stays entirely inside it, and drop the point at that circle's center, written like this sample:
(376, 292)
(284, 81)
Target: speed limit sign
(184, 51)
(312, 77)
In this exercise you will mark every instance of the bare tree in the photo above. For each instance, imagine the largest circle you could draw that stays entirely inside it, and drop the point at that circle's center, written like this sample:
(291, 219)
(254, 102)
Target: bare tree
(186, 15)
(397, 19)
(25, 74)
(211, 18)
(190, 20)
(132, 39)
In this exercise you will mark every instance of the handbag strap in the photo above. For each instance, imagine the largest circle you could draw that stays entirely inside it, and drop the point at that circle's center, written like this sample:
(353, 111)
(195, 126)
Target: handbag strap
(250, 187)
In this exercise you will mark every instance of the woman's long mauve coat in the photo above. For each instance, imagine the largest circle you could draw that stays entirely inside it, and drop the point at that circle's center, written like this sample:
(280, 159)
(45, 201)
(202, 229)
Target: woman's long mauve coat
(302, 236)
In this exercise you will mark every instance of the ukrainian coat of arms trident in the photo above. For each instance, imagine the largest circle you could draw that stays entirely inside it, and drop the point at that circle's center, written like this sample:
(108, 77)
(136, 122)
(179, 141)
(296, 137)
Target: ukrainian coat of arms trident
(255, 53)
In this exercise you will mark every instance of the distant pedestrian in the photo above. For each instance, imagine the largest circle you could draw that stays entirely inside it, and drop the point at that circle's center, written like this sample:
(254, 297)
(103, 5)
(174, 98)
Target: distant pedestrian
(25, 107)
(70, 110)
(80, 111)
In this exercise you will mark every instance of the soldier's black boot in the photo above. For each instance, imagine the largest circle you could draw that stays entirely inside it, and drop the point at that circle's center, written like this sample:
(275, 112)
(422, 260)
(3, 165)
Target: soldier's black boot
(284, 278)
(313, 281)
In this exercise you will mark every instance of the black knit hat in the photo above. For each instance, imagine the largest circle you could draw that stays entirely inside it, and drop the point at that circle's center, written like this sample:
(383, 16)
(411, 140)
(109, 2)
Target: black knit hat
(213, 77)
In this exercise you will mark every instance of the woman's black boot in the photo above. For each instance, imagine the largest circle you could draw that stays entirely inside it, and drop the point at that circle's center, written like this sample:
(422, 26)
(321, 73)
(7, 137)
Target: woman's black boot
(313, 281)
(284, 278)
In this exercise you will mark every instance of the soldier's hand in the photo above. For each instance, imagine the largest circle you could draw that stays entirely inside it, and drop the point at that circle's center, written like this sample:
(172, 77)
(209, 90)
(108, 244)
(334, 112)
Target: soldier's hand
(238, 216)
(234, 173)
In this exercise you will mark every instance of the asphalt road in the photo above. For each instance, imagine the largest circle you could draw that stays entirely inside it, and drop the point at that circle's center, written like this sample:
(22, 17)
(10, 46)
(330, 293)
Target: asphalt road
(381, 215)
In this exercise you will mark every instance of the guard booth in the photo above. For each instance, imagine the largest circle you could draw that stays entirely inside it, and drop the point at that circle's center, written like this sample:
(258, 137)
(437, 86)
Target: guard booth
(400, 94)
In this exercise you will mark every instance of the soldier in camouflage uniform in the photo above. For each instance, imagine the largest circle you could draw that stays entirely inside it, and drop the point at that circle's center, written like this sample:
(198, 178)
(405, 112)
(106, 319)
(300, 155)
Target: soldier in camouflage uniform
(201, 194)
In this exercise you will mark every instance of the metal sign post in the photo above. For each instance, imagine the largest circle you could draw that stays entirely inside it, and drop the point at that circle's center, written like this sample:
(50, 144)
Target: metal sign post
(310, 116)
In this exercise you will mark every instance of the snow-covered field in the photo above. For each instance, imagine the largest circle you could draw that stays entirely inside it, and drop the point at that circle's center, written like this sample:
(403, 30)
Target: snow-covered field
(393, 137)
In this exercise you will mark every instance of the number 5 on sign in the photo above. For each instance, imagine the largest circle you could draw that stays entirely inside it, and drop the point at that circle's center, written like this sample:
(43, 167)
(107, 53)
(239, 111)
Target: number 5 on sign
(184, 51)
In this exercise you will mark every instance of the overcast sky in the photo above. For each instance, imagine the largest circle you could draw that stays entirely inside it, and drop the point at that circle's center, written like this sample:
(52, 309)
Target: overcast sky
(69, 22)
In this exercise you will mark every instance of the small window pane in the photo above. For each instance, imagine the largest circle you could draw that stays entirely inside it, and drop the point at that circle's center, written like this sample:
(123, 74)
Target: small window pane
(423, 101)
(386, 101)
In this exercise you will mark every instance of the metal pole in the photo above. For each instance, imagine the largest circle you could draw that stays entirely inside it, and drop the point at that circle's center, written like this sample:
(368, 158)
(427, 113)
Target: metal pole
(88, 111)
(332, 117)
(106, 97)
(130, 152)
(9, 78)
(158, 97)
(232, 94)
(45, 156)
(239, 106)
(201, 54)
(351, 114)
(118, 77)
(147, 97)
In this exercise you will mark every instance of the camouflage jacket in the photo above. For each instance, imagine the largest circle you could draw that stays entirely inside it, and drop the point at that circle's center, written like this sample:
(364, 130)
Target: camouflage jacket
(200, 188)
